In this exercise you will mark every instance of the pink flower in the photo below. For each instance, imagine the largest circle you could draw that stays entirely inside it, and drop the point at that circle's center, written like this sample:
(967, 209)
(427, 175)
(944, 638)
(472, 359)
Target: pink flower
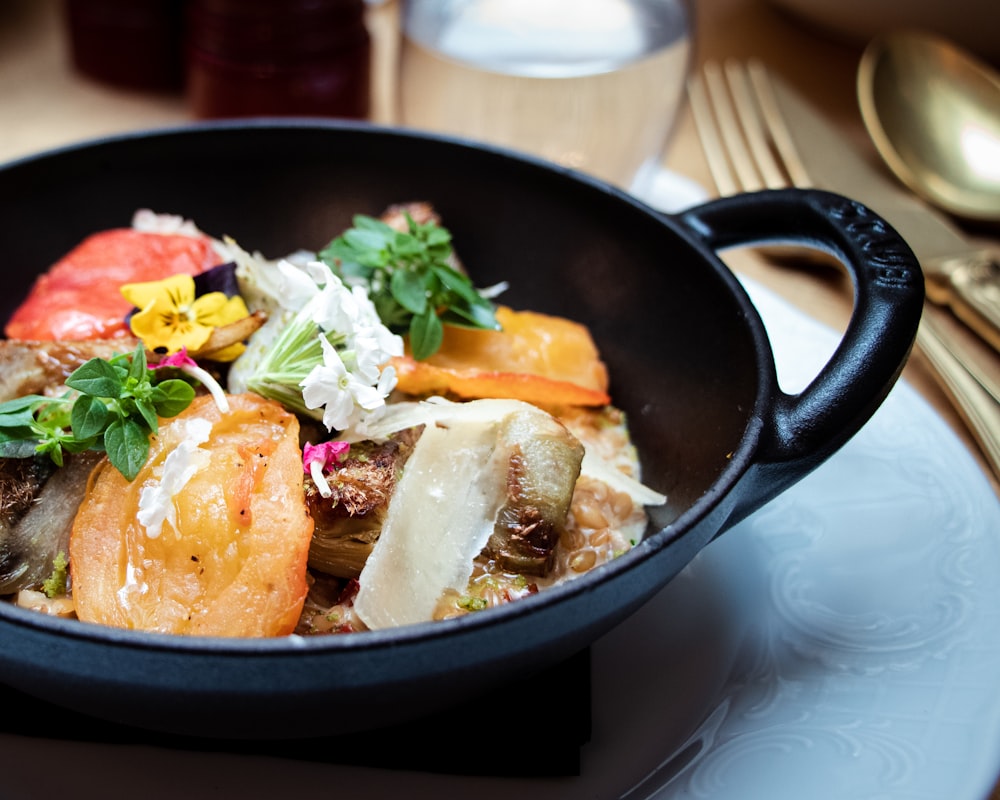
(320, 458)
(189, 366)
(178, 359)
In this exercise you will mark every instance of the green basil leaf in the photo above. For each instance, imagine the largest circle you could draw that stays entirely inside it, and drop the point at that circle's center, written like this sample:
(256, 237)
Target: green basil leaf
(365, 222)
(369, 239)
(457, 283)
(79, 445)
(436, 236)
(407, 247)
(127, 446)
(171, 397)
(392, 314)
(89, 417)
(425, 335)
(18, 448)
(137, 366)
(475, 316)
(148, 413)
(96, 377)
(343, 260)
(19, 404)
(410, 290)
(20, 433)
(17, 419)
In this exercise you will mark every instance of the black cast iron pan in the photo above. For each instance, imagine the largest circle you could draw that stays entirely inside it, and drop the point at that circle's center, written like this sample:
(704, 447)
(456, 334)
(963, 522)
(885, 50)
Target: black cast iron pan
(689, 360)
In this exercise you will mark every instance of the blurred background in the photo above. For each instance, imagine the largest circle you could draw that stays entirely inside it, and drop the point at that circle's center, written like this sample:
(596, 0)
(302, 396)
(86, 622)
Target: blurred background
(72, 69)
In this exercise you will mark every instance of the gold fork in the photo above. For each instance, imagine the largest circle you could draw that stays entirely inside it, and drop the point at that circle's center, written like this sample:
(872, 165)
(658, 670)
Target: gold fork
(748, 147)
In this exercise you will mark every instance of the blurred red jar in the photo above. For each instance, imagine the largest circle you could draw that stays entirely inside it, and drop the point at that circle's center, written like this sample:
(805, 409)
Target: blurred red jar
(134, 44)
(278, 58)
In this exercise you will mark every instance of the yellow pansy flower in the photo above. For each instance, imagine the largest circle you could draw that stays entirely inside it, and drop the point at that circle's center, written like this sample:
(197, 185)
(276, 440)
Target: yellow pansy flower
(171, 317)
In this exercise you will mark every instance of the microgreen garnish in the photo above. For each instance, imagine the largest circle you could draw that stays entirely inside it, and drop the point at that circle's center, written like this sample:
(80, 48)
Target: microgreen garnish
(409, 279)
(112, 406)
(56, 583)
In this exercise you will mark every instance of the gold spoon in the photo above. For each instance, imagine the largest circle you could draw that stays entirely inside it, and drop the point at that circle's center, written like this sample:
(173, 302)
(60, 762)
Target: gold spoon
(933, 112)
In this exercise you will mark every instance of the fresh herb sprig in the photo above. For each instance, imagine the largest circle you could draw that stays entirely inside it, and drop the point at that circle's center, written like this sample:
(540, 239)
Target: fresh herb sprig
(409, 279)
(112, 406)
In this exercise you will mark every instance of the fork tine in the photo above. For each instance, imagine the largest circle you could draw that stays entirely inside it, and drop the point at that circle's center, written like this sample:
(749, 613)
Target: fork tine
(754, 124)
(732, 133)
(708, 135)
(744, 137)
(775, 123)
(742, 130)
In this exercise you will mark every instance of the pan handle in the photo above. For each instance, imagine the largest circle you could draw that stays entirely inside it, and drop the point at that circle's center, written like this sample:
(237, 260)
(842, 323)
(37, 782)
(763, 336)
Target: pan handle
(798, 432)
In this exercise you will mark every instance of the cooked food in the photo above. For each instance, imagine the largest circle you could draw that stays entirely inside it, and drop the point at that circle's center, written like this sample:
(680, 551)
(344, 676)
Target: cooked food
(491, 474)
(349, 521)
(38, 367)
(534, 357)
(39, 503)
(368, 440)
(212, 535)
(542, 461)
(79, 297)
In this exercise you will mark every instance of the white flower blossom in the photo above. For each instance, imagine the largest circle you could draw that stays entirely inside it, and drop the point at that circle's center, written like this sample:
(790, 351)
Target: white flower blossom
(344, 396)
(336, 308)
(368, 358)
(296, 285)
(329, 359)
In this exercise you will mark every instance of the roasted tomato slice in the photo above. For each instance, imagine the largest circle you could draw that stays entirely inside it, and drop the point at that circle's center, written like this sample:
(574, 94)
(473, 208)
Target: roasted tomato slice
(226, 552)
(79, 297)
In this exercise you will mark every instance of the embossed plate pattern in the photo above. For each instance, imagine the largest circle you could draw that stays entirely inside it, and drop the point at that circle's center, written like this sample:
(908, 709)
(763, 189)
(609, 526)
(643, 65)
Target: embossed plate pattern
(843, 642)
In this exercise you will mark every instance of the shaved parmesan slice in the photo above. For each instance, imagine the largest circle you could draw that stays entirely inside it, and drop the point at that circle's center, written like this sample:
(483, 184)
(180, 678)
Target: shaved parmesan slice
(440, 517)
(399, 416)
(599, 469)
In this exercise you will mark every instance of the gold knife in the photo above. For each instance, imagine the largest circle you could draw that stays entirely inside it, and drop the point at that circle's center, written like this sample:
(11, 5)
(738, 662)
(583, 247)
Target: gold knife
(956, 272)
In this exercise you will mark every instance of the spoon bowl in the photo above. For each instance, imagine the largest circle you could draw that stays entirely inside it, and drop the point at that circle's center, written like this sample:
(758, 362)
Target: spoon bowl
(933, 113)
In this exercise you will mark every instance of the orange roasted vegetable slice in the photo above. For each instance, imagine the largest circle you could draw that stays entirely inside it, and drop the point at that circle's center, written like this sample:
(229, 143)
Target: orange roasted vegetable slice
(537, 358)
(80, 298)
(233, 561)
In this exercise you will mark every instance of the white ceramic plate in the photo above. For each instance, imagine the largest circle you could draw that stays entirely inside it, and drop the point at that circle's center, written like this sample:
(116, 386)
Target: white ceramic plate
(844, 642)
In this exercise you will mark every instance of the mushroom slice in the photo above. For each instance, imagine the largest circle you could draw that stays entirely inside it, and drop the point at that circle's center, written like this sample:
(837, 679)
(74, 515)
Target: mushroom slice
(38, 503)
(349, 522)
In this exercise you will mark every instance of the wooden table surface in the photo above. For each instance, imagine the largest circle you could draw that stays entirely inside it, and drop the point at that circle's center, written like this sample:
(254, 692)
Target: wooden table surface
(44, 103)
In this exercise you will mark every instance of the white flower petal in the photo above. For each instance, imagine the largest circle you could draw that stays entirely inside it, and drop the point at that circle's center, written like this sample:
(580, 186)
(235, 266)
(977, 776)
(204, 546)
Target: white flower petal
(387, 381)
(336, 309)
(320, 272)
(296, 286)
(368, 358)
(367, 397)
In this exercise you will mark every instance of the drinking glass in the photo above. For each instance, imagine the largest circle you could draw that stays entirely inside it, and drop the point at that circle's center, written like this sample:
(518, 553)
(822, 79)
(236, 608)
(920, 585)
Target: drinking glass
(594, 85)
